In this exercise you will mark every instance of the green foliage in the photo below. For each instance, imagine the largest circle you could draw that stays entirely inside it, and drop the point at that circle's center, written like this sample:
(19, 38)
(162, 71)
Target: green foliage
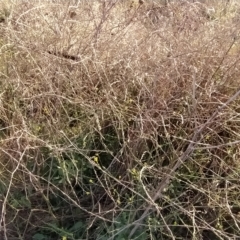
(70, 231)
(39, 236)
(121, 228)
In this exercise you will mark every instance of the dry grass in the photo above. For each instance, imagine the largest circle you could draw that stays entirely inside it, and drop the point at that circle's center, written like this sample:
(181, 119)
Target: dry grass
(119, 120)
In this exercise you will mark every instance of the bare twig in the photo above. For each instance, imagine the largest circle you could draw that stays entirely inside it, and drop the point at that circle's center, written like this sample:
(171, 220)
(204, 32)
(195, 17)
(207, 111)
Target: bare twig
(191, 147)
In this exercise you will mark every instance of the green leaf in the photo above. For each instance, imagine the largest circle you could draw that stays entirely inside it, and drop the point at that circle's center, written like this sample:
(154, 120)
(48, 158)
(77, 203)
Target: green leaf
(76, 227)
(39, 236)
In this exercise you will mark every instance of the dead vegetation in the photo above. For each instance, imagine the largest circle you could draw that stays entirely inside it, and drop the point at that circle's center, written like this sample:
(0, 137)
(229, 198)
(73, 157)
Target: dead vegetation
(119, 120)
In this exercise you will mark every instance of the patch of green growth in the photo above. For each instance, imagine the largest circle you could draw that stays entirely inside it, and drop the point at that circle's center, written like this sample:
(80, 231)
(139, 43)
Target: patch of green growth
(121, 228)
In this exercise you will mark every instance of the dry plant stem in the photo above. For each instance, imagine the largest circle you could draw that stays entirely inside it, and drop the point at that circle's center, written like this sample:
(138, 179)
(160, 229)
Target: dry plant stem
(195, 140)
(4, 205)
(149, 85)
